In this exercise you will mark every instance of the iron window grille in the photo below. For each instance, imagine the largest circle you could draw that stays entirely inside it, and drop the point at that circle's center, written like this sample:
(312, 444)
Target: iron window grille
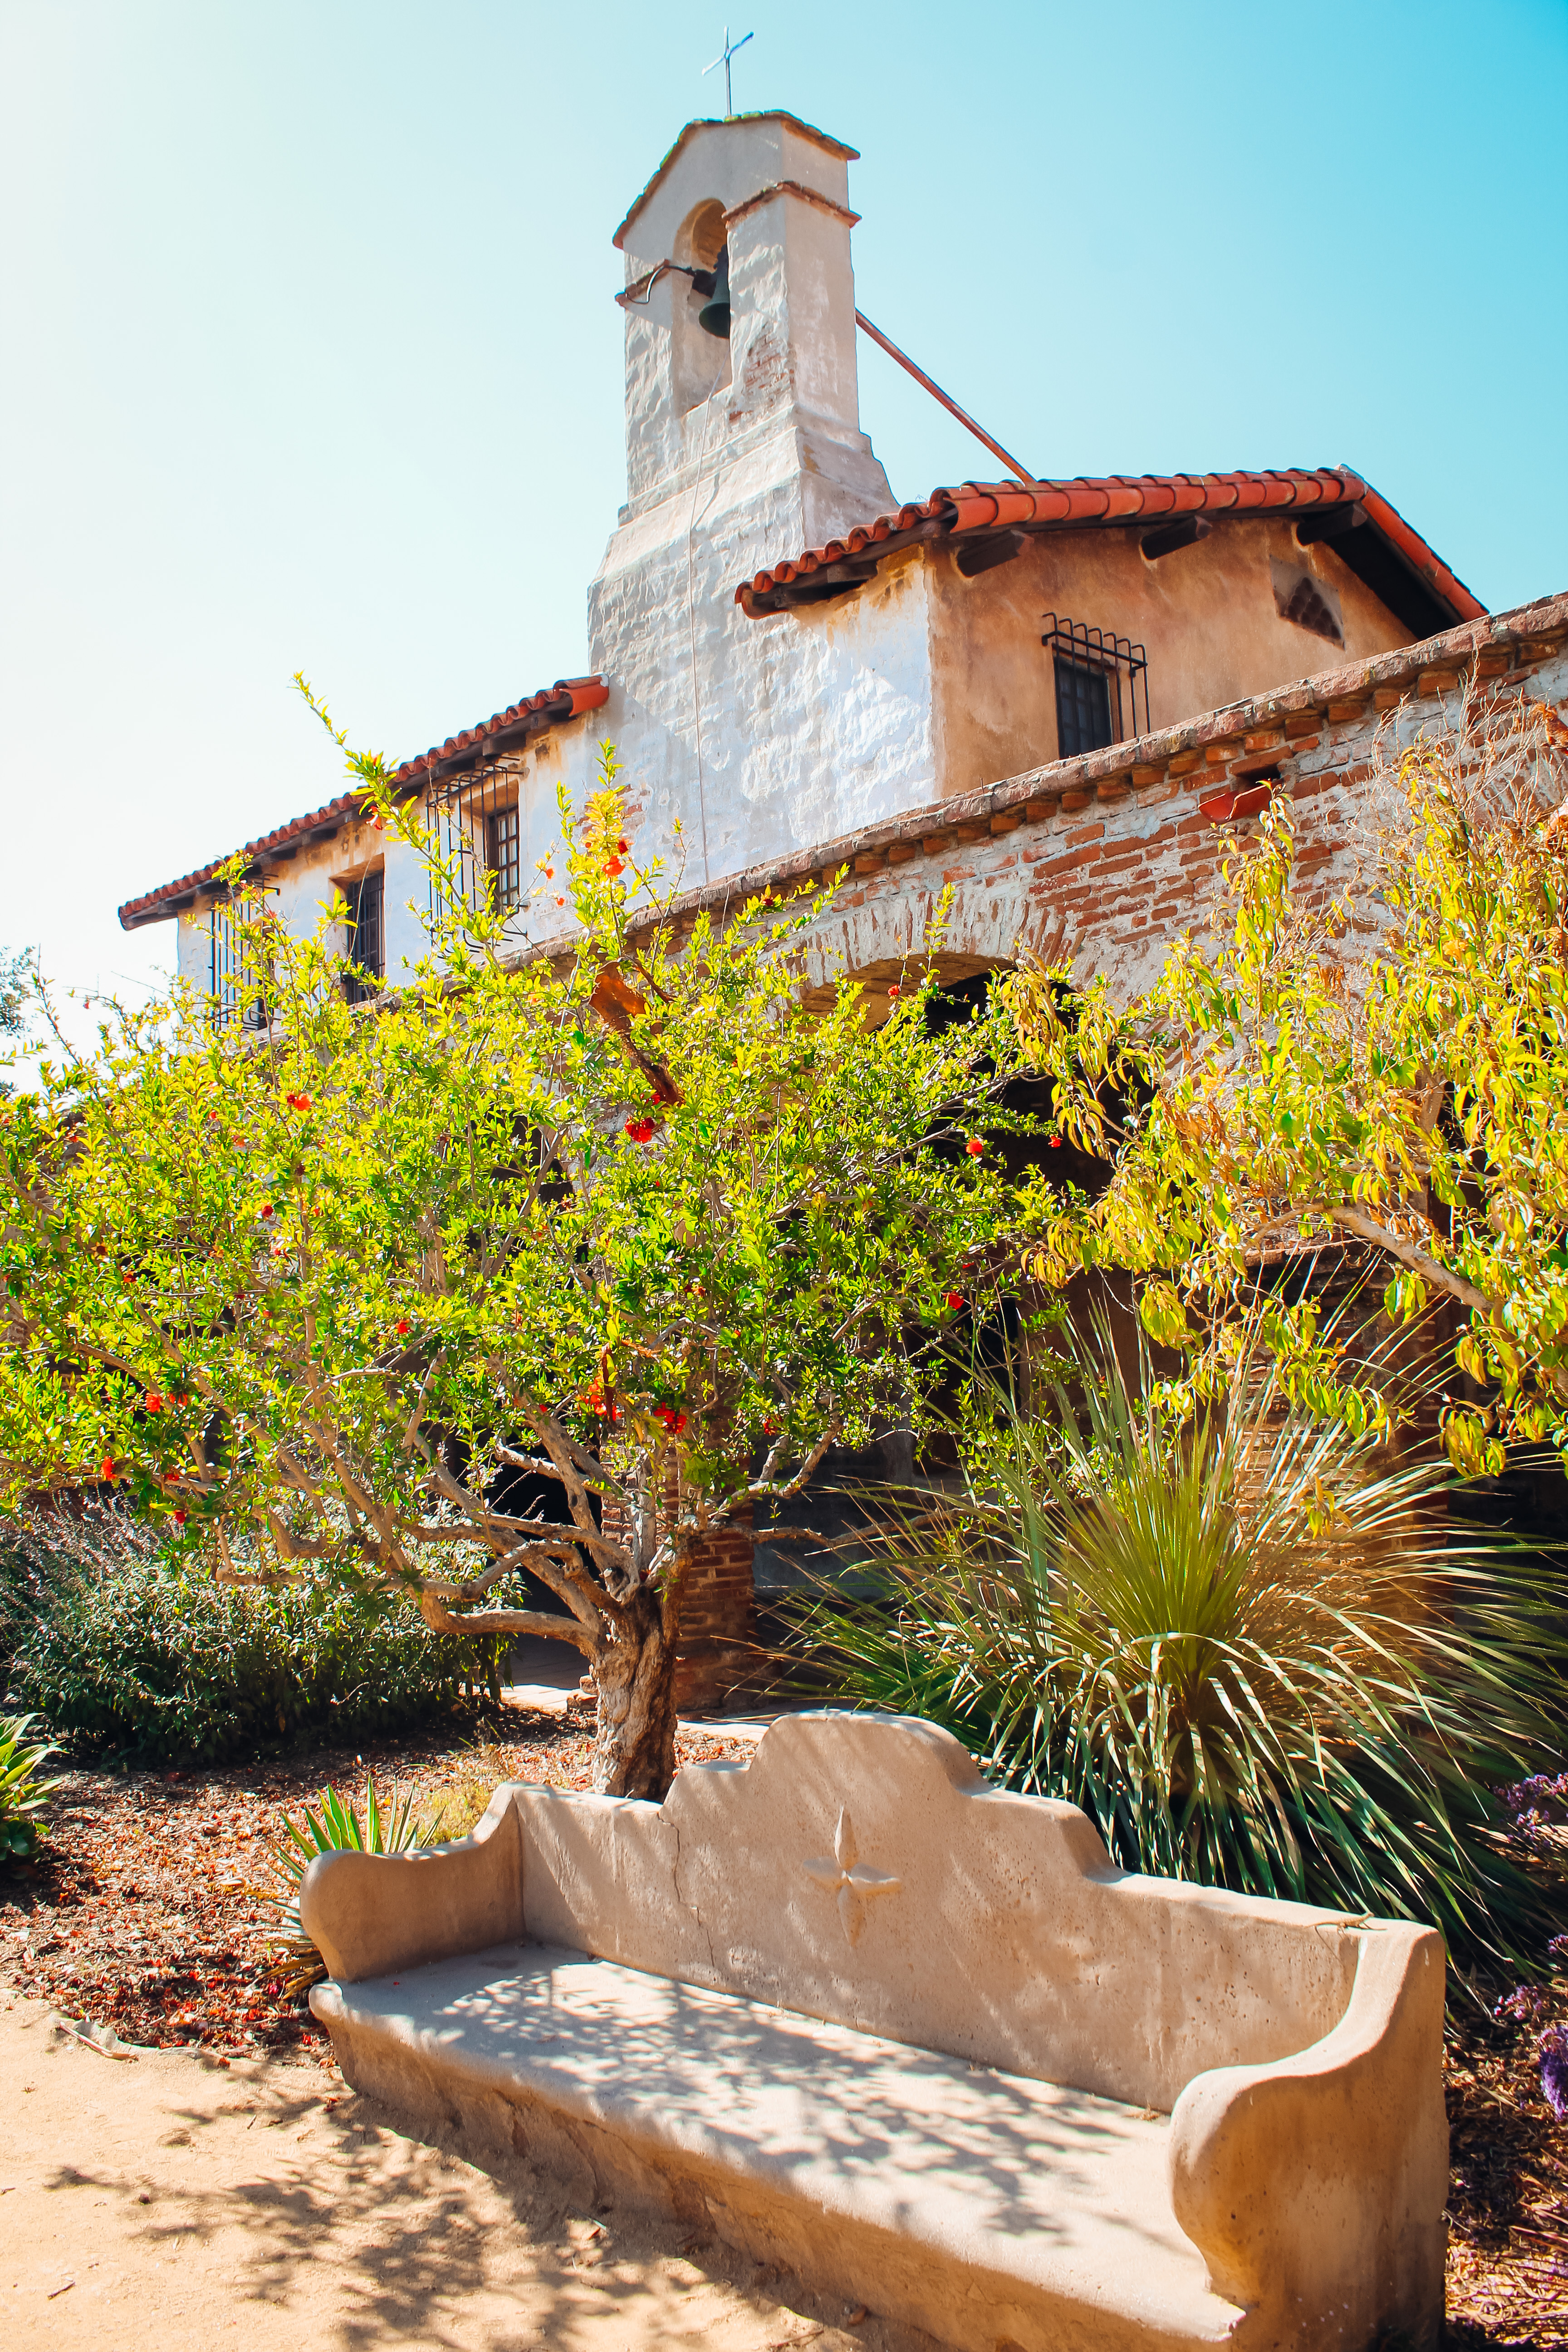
(235, 993)
(366, 937)
(477, 828)
(1099, 680)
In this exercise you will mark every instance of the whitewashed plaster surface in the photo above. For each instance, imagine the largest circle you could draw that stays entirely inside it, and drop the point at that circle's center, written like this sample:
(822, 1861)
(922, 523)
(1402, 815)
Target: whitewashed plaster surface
(753, 737)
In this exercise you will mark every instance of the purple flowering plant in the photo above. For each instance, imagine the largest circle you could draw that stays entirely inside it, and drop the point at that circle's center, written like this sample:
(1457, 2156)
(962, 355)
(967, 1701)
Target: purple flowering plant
(1531, 2004)
(1552, 2054)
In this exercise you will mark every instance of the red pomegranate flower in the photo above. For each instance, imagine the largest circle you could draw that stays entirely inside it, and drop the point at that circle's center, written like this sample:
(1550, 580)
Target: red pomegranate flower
(401, 1325)
(1055, 1143)
(153, 1401)
(266, 1208)
(616, 865)
(180, 1517)
(641, 1130)
(974, 1147)
(620, 848)
(895, 990)
(954, 1299)
(106, 1467)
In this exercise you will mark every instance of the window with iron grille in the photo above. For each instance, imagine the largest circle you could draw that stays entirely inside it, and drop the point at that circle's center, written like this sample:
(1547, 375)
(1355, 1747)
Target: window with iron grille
(479, 832)
(366, 944)
(1101, 679)
(234, 985)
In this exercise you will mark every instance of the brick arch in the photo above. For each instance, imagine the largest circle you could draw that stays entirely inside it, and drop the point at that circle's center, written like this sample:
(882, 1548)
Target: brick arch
(876, 937)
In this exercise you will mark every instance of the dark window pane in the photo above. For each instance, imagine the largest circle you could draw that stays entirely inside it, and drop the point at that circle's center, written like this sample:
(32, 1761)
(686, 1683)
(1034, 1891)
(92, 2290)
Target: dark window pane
(1083, 710)
(365, 948)
(502, 855)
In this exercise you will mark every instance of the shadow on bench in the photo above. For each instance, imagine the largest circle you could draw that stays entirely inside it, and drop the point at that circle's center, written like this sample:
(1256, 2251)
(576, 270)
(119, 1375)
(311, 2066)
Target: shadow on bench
(864, 2014)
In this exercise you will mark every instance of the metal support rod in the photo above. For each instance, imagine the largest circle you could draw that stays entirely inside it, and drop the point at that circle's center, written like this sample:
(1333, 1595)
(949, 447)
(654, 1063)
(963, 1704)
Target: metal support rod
(937, 392)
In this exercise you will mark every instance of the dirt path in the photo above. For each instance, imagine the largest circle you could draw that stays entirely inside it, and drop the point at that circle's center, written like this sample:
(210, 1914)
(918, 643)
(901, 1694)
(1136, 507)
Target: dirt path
(172, 2198)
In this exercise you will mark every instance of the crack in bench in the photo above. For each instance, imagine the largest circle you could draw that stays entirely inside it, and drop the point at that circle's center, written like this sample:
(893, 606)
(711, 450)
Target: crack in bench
(862, 2014)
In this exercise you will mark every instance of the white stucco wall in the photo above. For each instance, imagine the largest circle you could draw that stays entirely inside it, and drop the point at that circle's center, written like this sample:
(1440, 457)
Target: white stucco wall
(744, 740)
(739, 738)
(301, 890)
(754, 737)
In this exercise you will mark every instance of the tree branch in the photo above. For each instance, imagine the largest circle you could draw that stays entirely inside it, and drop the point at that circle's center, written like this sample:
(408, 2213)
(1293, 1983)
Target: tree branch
(441, 1620)
(1368, 1229)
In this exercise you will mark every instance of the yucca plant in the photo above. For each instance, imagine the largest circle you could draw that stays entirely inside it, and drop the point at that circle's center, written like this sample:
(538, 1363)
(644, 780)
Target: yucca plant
(24, 1792)
(333, 1826)
(1244, 1642)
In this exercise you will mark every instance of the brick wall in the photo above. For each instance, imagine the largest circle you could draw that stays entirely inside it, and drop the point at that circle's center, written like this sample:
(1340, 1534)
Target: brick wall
(1105, 859)
(717, 1651)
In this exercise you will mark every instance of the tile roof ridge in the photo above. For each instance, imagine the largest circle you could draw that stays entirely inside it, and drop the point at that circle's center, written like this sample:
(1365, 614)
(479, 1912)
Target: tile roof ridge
(1086, 500)
(568, 699)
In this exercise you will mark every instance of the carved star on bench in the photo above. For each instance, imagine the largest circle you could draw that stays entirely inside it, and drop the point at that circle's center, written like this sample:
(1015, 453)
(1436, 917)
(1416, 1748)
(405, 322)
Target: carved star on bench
(845, 1874)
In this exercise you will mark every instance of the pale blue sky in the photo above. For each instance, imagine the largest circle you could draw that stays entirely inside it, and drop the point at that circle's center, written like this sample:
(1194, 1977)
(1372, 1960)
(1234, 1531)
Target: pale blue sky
(310, 358)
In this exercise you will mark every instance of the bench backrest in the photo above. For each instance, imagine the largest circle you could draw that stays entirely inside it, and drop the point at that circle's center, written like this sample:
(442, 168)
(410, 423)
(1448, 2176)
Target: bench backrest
(860, 1869)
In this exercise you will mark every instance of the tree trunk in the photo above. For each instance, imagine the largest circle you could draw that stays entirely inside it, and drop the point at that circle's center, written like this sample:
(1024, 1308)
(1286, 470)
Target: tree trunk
(633, 1678)
(633, 1666)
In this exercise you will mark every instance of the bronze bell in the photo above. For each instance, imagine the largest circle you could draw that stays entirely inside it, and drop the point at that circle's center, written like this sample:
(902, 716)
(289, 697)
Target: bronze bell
(714, 315)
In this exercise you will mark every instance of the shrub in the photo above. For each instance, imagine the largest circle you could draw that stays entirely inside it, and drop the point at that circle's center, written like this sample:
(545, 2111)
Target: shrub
(635, 1230)
(1244, 1644)
(23, 1791)
(1383, 1068)
(122, 1650)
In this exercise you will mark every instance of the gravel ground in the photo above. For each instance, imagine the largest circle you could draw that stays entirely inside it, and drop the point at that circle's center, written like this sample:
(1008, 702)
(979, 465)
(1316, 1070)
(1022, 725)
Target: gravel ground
(142, 1915)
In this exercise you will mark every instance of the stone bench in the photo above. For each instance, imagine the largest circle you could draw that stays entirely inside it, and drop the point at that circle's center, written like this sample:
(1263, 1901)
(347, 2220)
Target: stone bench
(858, 2012)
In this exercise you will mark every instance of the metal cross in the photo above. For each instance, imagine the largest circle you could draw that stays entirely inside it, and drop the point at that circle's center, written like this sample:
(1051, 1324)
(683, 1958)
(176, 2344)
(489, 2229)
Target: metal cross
(723, 58)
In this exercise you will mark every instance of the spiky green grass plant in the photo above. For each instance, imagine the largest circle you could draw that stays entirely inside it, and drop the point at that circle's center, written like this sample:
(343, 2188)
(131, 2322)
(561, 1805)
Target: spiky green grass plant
(333, 1826)
(23, 1791)
(1247, 1644)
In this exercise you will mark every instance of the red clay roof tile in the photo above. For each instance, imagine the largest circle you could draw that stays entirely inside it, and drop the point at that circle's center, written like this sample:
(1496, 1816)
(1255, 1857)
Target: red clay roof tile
(977, 507)
(567, 698)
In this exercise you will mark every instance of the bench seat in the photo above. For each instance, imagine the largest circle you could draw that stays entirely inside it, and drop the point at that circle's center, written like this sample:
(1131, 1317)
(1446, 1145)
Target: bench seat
(850, 2008)
(1014, 2202)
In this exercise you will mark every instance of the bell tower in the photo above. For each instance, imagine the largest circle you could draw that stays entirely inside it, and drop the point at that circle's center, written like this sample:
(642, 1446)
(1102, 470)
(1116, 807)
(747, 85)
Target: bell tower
(767, 198)
(743, 446)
